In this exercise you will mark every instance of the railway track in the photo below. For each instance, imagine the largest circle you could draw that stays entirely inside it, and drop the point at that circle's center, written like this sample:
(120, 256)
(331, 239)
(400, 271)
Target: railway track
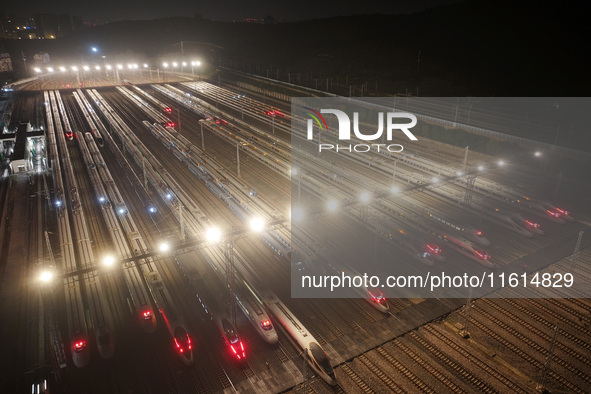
(526, 357)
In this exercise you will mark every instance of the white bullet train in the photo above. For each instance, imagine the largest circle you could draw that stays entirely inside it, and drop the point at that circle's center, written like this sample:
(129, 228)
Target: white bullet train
(253, 308)
(312, 351)
(469, 249)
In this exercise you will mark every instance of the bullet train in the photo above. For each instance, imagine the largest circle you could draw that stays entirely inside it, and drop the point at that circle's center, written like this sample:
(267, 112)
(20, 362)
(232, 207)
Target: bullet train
(514, 221)
(181, 339)
(98, 137)
(302, 338)
(557, 215)
(253, 308)
(469, 232)
(470, 250)
(421, 247)
(372, 295)
(231, 338)
(80, 351)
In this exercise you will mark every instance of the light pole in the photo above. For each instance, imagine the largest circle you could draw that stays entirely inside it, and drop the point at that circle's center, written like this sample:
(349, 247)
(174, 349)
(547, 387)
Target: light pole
(238, 157)
(202, 139)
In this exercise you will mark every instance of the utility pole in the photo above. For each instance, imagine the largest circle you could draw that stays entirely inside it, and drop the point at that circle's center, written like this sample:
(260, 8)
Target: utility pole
(465, 160)
(576, 252)
(238, 157)
(202, 140)
(181, 222)
(548, 357)
(468, 311)
(179, 118)
(469, 189)
(144, 172)
(230, 278)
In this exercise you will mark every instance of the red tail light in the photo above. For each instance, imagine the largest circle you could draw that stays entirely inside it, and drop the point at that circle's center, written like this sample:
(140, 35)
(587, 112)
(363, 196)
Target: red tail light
(79, 346)
(562, 211)
(532, 224)
(168, 109)
(479, 233)
(482, 255)
(170, 124)
(147, 315)
(553, 213)
(433, 248)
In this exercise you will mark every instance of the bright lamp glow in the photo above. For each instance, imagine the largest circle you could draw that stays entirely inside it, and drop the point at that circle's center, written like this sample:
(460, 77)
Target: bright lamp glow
(257, 224)
(164, 64)
(94, 49)
(86, 68)
(501, 163)
(365, 196)
(332, 205)
(297, 213)
(109, 67)
(394, 189)
(37, 70)
(74, 68)
(120, 66)
(480, 168)
(45, 276)
(109, 261)
(164, 247)
(198, 63)
(97, 67)
(434, 179)
(538, 154)
(145, 65)
(184, 64)
(62, 68)
(50, 69)
(213, 234)
(174, 64)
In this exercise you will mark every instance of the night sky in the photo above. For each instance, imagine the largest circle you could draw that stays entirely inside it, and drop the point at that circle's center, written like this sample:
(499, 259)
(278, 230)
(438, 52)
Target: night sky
(115, 10)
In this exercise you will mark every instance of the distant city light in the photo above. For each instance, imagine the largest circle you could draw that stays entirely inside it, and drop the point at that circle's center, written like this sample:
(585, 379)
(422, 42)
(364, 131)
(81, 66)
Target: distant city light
(94, 49)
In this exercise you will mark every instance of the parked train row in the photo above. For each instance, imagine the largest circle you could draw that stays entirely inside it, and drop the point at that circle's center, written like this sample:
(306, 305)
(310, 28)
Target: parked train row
(77, 329)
